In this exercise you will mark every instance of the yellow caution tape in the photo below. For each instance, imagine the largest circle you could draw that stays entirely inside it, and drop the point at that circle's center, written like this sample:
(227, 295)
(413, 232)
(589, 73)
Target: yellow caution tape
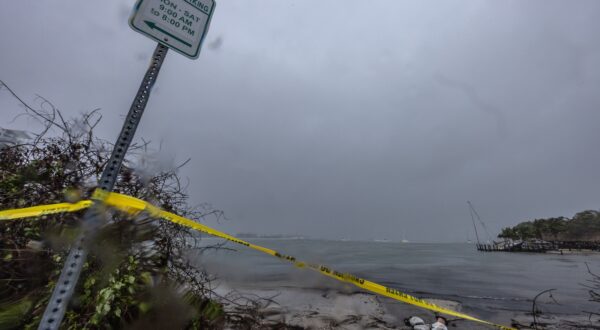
(133, 205)
(37, 211)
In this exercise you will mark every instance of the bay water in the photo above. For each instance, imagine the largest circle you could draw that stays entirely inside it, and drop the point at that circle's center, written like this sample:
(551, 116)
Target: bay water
(484, 282)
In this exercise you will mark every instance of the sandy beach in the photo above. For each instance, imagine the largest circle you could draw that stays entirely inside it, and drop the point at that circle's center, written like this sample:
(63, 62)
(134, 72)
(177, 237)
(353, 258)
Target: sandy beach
(302, 308)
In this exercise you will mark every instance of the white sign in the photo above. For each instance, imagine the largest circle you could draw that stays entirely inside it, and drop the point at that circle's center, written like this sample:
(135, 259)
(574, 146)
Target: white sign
(178, 24)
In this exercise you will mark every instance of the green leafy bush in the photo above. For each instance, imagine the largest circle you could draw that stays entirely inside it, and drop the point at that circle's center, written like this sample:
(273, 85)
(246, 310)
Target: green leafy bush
(135, 263)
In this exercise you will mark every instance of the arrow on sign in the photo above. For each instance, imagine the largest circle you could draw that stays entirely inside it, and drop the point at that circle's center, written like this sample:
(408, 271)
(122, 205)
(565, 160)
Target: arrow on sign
(153, 25)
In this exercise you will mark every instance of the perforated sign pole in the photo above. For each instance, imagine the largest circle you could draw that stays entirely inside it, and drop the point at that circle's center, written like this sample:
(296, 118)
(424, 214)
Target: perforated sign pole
(177, 24)
(93, 217)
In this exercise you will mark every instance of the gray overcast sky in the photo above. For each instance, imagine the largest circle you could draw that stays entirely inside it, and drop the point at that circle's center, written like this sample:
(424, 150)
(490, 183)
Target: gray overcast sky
(343, 118)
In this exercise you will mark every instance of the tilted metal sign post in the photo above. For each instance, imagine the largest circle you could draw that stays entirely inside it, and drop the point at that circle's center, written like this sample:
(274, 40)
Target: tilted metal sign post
(168, 23)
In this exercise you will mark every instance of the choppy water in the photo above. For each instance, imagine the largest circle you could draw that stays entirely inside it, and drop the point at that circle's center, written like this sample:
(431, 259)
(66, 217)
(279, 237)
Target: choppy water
(484, 282)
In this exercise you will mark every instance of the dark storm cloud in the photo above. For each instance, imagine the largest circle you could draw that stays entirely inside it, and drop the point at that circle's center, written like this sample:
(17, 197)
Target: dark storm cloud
(345, 118)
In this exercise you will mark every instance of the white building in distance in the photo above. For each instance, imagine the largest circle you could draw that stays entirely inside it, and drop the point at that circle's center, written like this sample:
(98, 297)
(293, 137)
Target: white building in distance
(11, 137)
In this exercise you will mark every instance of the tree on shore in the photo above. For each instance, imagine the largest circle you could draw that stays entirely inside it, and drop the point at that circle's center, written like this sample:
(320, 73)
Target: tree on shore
(584, 226)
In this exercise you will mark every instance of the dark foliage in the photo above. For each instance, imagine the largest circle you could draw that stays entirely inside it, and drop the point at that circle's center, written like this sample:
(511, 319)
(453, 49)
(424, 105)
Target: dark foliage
(584, 226)
(136, 274)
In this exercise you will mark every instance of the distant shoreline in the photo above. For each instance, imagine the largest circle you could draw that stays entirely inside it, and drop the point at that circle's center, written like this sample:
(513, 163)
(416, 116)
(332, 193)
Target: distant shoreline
(206, 236)
(571, 251)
